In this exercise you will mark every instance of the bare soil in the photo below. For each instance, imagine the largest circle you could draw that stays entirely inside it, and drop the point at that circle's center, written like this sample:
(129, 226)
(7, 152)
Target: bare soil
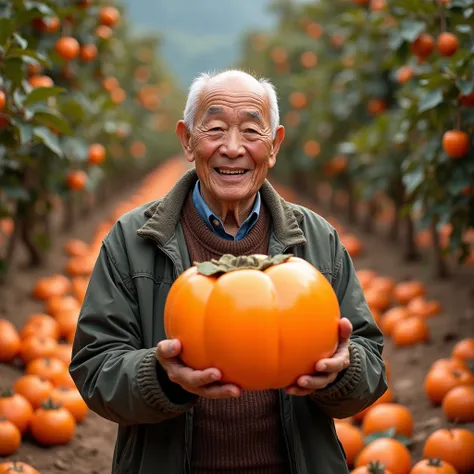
(92, 448)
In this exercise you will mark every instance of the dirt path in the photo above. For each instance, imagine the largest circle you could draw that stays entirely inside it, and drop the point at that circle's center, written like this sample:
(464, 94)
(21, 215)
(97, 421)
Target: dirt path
(92, 449)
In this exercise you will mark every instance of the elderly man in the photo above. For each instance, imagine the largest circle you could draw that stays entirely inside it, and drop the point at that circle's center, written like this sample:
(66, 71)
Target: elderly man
(173, 419)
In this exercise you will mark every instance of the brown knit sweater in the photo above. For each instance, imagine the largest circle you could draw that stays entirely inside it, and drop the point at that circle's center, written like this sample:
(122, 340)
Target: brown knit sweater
(240, 435)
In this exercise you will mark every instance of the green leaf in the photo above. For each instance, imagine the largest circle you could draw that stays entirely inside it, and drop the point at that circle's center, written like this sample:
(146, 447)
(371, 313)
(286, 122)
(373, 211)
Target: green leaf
(29, 53)
(40, 6)
(430, 100)
(40, 94)
(413, 180)
(20, 41)
(7, 28)
(465, 86)
(71, 108)
(49, 139)
(464, 28)
(410, 29)
(25, 132)
(14, 70)
(53, 119)
(17, 193)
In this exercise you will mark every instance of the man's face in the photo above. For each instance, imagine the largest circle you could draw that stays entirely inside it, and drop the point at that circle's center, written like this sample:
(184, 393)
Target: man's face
(232, 143)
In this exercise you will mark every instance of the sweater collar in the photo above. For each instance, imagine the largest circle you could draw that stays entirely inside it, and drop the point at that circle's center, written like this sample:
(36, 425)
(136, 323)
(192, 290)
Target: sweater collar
(164, 214)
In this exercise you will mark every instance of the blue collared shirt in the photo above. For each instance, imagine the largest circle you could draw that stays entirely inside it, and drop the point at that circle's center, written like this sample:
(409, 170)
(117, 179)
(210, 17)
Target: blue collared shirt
(216, 225)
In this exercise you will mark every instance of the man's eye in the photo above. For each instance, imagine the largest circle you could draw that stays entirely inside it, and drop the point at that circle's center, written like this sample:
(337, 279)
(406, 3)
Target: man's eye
(250, 130)
(216, 129)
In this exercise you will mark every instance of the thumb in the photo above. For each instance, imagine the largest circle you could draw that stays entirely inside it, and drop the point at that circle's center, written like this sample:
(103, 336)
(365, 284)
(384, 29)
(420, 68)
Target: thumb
(345, 330)
(169, 348)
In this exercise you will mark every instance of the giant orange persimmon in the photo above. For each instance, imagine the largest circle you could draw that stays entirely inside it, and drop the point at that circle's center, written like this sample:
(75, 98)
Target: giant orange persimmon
(281, 307)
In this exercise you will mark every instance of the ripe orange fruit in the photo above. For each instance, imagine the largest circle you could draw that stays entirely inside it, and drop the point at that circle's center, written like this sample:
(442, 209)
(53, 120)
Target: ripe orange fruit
(455, 446)
(423, 46)
(309, 59)
(458, 404)
(404, 74)
(298, 99)
(456, 143)
(110, 83)
(118, 95)
(109, 16)
(67, 47)
(447, 44)
(385, 416)
(312, 148)
(3, 100)
(393, 454)
(280, 360)
(76, 180)
(376, 106)
(96, 154)
(351, 438)
(104, 32)
(41, 81)
(88, 52)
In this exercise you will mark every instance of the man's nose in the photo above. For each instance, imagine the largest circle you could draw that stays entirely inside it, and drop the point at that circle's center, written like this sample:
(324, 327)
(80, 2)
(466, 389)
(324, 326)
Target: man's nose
(232, 146)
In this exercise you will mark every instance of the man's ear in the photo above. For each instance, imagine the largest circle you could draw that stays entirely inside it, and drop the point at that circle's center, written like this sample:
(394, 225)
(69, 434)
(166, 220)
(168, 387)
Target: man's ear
(277, 141)
(185, 137)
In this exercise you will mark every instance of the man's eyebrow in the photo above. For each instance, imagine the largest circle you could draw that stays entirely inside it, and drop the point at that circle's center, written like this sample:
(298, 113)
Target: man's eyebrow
(214, 111)
(253, 114)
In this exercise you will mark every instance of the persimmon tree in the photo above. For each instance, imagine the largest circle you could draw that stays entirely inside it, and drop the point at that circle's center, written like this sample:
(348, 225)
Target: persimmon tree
(377, 97)
(72, 119)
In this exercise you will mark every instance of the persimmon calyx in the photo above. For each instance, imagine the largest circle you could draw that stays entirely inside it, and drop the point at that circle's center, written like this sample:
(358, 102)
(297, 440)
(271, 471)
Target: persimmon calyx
(229, 263)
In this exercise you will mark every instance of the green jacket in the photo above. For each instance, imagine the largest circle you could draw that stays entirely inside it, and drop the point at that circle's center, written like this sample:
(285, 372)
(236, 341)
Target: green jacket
(121, 321)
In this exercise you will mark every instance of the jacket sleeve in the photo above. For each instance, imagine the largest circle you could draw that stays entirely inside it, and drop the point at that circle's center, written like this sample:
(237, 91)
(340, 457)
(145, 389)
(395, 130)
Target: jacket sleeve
(364, 381)
(118, 378)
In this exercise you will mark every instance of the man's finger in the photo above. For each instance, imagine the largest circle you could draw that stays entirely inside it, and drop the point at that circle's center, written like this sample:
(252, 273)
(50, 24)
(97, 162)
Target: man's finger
(220, 391)
(195, 378)
(337, 363)
(168, 349)
(316, 382)
(345, 330)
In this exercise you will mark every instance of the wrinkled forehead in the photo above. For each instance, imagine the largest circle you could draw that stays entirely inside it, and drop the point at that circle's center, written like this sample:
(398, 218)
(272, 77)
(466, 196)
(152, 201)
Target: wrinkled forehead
(239, 96)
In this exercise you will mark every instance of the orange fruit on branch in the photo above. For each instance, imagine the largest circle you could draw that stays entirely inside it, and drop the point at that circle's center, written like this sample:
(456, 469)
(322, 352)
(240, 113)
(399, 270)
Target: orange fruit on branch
(104, 32)
(456, 143)
(404, 74)
(423, 46)
(447, 44)
(41, 81)
(281, 306)
(88, 52)
(3, 100)
(67, 47)
(109, 16)
(76, 180)
(96, 154)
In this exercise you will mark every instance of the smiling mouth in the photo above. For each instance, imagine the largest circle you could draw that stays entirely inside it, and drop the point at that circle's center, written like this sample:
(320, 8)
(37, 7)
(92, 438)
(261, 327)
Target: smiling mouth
(230, 172)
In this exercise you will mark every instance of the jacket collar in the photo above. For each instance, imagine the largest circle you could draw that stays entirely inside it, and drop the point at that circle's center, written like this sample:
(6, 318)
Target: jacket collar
(164, 214)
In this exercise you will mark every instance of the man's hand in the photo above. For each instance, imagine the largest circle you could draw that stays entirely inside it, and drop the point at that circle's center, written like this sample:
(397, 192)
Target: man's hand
(326, 369)
(204, 383)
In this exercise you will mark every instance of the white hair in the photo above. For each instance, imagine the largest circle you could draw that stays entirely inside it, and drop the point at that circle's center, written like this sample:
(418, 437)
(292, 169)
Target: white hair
(200, 82)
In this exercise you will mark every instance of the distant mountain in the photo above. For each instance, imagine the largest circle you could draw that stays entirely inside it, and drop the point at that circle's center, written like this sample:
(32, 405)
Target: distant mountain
(199, 35)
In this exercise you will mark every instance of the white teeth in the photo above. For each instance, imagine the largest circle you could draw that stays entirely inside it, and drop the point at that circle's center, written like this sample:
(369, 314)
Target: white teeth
(230, 171)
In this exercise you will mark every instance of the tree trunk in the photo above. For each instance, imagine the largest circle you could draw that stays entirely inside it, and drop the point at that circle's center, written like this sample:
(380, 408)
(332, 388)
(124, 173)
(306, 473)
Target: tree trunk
(411, 252)
(394, 232)
(351, 202)
(28, 227)
(369, 220)
(440, 266)
(69, 214)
